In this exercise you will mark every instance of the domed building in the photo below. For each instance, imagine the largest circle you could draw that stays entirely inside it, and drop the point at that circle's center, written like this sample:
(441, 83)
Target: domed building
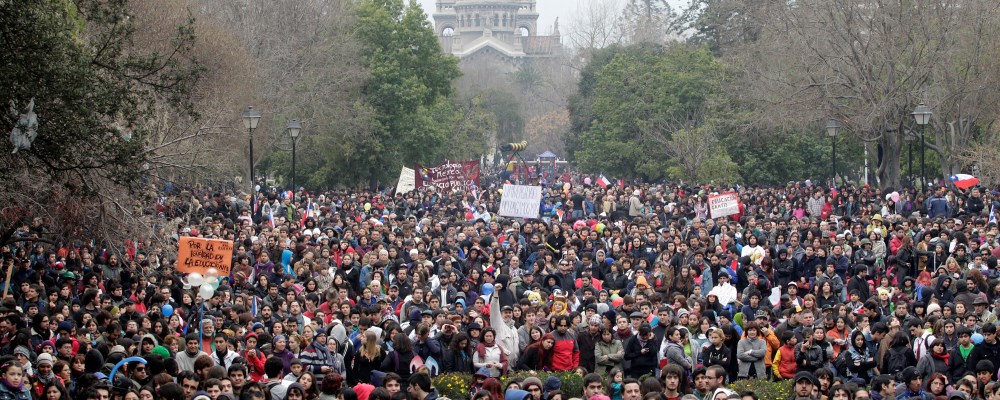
(503, 33)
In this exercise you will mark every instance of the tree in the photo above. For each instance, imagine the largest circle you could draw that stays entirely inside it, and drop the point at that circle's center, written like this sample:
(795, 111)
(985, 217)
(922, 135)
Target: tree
(640, 97)
(92, 90)
(650, 21)
(597, 25)
(727, 25)
(868, 64)
(409, 75)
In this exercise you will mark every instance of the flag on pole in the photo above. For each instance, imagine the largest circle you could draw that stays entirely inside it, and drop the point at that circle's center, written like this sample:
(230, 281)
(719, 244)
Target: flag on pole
(993, 217)
(307, 214)
(253, 307)
(270, 217)
(603, 182)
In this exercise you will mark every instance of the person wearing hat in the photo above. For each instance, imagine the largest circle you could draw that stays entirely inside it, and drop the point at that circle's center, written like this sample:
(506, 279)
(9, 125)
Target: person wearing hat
(805, 383)
(532, 385)
(912, 384)
(44, 374)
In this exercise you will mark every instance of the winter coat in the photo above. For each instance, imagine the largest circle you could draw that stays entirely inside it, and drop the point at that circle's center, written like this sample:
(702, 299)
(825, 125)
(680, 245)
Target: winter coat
(457, 361)
(674, 354)
(758, 349)
(929, 364)
(810, 358)
(615, 352)
(8, 393)
(858, 365)
(784, 364)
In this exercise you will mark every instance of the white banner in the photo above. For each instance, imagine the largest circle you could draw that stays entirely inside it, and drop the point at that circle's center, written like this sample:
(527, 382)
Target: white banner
(407, 181)
(724, 204)
(520, 201)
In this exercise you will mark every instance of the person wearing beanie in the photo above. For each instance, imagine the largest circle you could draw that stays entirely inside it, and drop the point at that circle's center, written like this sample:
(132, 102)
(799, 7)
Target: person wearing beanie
(23, 356)
(363, 390)
(44, 376)
(280, 350)
(254, 358)
(161, 351)
(551, 384)
(912, 384)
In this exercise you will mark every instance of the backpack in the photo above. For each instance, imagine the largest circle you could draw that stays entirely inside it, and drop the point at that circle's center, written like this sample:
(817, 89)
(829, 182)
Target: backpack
(896, 361)
(841, 363)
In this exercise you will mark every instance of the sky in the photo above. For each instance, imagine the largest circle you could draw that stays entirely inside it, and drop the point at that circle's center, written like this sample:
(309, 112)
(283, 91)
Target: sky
(548, 10)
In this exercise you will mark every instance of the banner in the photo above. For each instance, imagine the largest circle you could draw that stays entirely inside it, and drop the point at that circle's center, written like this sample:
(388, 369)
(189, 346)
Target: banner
(407, 181)
(724, 204)
(452, 175)
(198, 255)
(520, 201)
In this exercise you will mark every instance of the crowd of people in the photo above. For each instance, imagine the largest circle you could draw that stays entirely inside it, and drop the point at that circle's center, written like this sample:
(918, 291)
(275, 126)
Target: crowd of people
(846, 293)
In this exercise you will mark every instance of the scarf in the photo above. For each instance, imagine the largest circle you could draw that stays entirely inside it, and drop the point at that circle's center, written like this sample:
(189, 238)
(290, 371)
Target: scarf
(18, 388)
(942, 357)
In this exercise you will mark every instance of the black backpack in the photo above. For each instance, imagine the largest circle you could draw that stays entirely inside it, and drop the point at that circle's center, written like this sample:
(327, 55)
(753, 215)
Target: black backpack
(896, 361)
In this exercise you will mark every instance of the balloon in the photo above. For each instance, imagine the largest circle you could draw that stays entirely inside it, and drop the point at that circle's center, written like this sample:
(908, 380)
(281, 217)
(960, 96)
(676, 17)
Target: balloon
(206, 291)
(368, 206)
(977, 338)
(586, 181)
(167, 310)
(214, 283)
(895, 197)
(487, 289)
(617, 302)
(599, 228)
(195, 279)
(211, 272)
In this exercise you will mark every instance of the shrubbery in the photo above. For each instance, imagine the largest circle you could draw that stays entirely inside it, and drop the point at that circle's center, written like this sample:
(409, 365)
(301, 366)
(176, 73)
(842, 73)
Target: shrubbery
(764, 389)
(456, 386)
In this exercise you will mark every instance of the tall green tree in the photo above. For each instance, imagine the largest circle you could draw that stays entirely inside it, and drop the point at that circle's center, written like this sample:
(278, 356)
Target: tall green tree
(640, 97)
(409, 76)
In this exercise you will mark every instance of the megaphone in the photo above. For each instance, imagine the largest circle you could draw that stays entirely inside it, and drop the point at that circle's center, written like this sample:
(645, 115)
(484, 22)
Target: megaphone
(515, 146)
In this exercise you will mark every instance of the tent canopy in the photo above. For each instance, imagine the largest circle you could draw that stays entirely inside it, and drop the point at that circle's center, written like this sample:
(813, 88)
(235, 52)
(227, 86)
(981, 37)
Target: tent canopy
(547, 154)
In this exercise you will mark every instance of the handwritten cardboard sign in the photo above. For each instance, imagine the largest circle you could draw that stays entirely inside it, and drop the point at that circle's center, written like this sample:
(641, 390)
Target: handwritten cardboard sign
(198, 255)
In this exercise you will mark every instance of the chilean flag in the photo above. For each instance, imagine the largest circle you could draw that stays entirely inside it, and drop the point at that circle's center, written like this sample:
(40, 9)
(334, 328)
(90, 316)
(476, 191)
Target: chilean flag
(963, 181)
(307, 214)
(603, 182)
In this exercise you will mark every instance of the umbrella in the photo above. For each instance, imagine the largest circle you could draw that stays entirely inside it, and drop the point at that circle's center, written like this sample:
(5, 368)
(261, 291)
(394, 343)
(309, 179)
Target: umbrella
(964, 181)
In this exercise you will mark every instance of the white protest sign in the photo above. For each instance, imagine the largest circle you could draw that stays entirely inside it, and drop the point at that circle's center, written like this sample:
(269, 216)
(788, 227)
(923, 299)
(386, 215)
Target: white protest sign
(407, 181)
(520, 201)
(724, 204)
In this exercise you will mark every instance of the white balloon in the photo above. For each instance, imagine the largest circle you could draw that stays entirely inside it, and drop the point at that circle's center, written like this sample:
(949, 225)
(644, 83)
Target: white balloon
(195, 279)
(214, 283)
(206, 291)
(212, 272)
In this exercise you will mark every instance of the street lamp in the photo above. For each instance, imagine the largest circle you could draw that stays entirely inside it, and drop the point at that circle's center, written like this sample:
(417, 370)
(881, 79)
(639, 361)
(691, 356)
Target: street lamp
(294, 127)
(832, 126)
(251, 118)
(922, 114)
(908, 137)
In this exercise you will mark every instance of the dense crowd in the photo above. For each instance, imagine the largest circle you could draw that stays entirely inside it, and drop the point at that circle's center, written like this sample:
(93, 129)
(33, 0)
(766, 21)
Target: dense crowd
(846, 294)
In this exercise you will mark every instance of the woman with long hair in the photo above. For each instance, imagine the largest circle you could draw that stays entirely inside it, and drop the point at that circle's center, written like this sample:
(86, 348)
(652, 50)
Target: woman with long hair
(399, 360)
(458, 355)
(538, 355)
(368, 358)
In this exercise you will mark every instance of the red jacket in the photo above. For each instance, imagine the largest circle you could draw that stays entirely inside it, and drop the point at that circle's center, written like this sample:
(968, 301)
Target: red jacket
(565, 353)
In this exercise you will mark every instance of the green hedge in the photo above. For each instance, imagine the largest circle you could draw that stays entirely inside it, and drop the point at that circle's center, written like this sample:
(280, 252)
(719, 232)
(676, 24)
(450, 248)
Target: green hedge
(456, 386)
(764, 389)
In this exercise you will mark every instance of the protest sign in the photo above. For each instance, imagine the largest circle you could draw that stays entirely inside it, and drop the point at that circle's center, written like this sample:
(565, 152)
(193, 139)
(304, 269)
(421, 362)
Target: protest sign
(724, 204)
(520, 201)
(198, 255)
(452, 175)
(407, 181)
